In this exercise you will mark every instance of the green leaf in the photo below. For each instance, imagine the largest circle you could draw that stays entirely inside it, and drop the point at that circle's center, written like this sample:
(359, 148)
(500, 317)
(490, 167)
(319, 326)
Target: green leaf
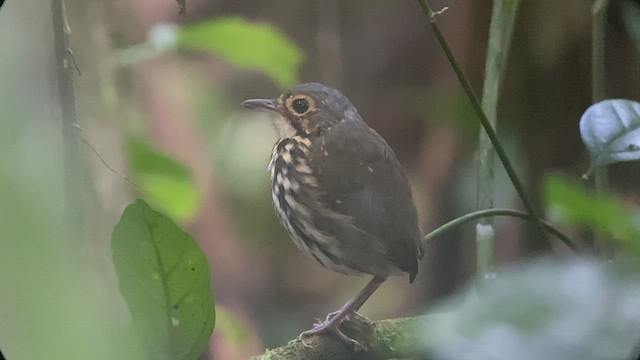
(551, 310)
(165, 182)
(248, 45)
(164, 278)
(610, 130)
(571, 202)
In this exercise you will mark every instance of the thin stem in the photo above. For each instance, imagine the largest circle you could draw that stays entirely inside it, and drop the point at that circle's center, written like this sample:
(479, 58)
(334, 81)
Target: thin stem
(500, 33)
(65, 65)
(598, 93)
(485, 248)
(498, 212)
(502, 155)
(598, 33)
(598, 71)
(104, 162)
(182, 7)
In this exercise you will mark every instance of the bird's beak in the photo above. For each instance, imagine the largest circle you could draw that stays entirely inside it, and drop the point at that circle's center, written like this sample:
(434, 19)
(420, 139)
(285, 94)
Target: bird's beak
(260, 104)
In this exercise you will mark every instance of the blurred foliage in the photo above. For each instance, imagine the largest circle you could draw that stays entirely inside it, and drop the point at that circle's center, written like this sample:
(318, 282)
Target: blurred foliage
(231, 326)
(182, 7)
(610, 130)
(240, 146)
(47, 284)
(505, 195)
(449, 107)
(165, 182)
(245, 174)
(245, 44)
(630, 10)
(570, 202)
(52, 302)
(54, 299)
(248, 45)
(164, 278)
(548, 310)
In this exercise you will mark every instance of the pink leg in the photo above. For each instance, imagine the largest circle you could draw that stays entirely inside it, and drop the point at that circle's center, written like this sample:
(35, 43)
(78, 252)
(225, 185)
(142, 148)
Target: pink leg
(330, 325)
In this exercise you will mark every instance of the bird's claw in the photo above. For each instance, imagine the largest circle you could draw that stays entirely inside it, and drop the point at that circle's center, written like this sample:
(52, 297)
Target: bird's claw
(329, 317)
(356, 345)
(327, 327)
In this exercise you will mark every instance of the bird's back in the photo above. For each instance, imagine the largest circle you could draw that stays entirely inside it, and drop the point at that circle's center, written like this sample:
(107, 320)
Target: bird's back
(346, 201)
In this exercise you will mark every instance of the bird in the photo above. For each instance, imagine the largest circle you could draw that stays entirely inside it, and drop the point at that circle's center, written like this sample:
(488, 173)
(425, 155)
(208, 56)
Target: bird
(340, 192)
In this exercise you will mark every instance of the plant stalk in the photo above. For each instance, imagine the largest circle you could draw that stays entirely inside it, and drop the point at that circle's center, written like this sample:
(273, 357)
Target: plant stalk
(484, 121)
(500, 34)
(65, 66)
(498, 212)
(598, 93)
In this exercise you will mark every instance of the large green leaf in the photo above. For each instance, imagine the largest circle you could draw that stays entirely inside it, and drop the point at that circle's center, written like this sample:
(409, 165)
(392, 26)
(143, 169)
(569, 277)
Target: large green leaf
(164, 278)
(571, 202)
(248, 45)
(165, 182)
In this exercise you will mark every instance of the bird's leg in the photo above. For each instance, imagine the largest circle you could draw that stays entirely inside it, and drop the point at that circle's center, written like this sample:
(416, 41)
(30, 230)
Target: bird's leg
(333, 320)
(351, 303)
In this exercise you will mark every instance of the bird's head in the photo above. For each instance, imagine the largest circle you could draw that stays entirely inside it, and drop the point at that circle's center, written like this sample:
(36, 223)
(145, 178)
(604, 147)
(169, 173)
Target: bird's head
(306, 109)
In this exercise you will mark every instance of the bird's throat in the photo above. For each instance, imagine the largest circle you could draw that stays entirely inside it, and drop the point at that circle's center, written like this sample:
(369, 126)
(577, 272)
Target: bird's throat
(285, 128)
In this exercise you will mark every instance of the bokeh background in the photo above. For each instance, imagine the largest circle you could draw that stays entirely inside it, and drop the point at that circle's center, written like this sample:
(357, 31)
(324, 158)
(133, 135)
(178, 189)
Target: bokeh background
(178, 108)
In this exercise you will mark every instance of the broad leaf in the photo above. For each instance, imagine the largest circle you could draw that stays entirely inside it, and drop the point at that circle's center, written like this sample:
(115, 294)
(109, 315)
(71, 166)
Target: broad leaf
(570, 202)
(164, 278)
(610, 130)
(548, 310)
(248, 45)
(166, 183)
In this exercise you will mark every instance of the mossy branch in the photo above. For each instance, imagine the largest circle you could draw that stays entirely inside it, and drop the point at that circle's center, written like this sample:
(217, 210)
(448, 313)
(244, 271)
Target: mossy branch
(384, 339)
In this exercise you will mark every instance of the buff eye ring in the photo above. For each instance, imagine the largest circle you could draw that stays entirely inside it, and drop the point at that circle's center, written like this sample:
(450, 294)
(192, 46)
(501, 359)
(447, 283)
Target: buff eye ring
(299, 105)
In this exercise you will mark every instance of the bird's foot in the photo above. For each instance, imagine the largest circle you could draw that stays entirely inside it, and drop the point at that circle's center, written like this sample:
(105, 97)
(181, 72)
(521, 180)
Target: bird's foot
(331, 327)
(329, 317)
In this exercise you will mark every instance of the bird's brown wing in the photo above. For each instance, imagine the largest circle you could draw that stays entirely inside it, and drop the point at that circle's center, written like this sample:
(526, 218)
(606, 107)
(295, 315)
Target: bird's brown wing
(359, 177)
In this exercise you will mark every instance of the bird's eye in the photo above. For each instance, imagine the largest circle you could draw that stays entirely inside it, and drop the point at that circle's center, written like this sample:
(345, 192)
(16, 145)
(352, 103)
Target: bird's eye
(300, 106)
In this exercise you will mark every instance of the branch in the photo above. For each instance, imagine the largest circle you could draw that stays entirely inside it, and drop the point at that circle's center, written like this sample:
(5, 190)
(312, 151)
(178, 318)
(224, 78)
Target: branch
(384, 339)
(466, 85)
(499, 212)
(598, 34)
